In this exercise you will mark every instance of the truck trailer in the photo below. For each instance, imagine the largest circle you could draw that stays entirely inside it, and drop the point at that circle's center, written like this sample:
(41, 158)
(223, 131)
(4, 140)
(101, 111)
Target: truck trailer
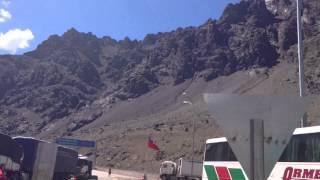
(45, 160)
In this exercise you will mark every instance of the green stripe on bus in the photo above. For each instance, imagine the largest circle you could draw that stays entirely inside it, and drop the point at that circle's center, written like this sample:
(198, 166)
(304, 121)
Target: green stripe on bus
(236, 174)
(211, 173)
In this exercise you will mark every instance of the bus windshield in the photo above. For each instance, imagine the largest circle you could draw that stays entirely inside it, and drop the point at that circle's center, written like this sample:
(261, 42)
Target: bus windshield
(302, 148)
(219, 152)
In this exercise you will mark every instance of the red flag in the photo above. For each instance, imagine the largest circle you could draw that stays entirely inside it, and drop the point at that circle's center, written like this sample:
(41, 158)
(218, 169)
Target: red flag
(152, 145)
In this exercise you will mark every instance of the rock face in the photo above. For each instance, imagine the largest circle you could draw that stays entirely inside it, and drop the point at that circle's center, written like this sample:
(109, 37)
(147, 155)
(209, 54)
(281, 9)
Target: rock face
(68, 74)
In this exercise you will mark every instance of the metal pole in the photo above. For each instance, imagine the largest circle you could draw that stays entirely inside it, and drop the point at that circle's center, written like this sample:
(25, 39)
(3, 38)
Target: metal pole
(193, 128)
(257, 150)
(193, 131)
(300, 54)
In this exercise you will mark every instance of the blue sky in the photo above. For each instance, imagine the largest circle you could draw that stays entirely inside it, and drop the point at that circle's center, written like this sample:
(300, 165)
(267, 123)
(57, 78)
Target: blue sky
(26, 23)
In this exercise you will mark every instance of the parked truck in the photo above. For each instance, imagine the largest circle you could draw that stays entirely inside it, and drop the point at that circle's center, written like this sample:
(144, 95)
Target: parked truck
(10, 158)
(184, 170)
(45, 160)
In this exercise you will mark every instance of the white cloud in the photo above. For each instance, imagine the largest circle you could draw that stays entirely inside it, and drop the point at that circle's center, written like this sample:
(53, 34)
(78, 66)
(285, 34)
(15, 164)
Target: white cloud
(4, 15)
(6, 3)
(15, 39)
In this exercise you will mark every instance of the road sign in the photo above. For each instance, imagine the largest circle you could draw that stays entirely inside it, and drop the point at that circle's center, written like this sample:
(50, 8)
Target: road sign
(76, 142)
(240, 116)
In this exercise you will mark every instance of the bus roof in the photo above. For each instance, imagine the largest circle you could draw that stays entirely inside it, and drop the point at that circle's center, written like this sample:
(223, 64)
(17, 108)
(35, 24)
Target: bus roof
(297, 131)
(307, 130)
(216, 140)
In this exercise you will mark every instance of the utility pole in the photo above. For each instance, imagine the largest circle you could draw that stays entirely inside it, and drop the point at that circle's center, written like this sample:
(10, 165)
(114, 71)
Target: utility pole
(300, 54)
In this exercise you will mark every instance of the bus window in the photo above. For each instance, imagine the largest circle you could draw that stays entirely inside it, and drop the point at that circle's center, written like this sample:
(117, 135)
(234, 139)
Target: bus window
(219, 152)
(302, 148)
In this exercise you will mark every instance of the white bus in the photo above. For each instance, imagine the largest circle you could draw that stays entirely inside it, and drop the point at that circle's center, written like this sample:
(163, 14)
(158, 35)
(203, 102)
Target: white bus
(299, 161)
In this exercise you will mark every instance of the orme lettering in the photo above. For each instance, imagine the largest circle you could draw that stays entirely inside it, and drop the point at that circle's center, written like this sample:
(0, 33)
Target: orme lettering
(291, 173)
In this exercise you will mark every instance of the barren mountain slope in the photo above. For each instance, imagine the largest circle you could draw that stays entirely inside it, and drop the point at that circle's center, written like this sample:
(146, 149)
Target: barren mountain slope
(123, 144)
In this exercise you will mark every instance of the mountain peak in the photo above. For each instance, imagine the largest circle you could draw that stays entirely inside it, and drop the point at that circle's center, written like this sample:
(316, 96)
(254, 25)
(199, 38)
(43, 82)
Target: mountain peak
(70, 32)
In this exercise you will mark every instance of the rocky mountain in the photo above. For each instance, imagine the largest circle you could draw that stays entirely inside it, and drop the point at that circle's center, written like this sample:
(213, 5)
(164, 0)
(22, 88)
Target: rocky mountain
(78, 84)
